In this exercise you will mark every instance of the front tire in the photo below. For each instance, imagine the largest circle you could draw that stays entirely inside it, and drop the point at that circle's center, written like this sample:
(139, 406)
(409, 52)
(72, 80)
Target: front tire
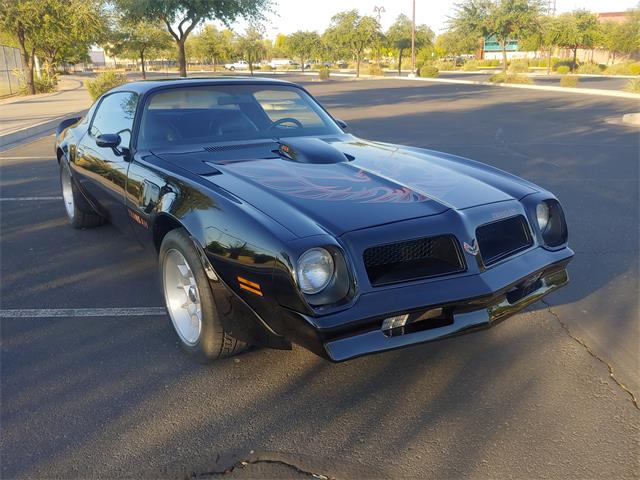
(80, 213)
(190, 301)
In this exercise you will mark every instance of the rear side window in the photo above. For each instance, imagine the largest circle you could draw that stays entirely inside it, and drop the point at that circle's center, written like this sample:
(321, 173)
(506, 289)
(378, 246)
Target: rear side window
(115, 115)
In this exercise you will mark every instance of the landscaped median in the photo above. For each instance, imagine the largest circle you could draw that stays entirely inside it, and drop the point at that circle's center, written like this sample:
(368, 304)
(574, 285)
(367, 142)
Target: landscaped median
(550, 88)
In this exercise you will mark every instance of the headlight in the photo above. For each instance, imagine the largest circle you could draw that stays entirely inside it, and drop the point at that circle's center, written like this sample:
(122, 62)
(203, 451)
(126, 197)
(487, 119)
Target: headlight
(315, 270)
(542, 214)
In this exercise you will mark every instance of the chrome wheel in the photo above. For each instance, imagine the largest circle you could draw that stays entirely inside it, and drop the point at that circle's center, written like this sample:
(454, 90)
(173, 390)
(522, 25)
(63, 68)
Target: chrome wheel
(182, 297)
(67, 191)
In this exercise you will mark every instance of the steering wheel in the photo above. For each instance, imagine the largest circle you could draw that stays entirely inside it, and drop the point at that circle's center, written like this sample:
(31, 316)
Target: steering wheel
(282, 120)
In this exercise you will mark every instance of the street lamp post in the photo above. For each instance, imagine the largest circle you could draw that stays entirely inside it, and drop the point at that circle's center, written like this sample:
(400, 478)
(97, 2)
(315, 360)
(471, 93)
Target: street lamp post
(413, 41)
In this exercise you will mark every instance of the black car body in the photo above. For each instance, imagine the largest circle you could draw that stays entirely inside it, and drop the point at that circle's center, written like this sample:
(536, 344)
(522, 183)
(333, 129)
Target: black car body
(423, 245)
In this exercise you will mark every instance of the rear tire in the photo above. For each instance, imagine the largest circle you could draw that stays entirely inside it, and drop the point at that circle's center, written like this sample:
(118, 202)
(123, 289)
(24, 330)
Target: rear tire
(80, 213)
(190, 302)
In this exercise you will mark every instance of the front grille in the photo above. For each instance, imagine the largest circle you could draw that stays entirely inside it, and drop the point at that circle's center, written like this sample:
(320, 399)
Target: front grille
(501, 239)
(420, 258)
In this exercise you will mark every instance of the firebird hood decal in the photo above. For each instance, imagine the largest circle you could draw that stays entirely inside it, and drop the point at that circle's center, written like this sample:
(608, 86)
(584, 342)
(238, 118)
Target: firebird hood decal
(383, 184)
(343, 184)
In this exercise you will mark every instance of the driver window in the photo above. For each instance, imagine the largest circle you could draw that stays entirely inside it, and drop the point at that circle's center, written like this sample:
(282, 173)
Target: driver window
(281, 103)
(115, 115)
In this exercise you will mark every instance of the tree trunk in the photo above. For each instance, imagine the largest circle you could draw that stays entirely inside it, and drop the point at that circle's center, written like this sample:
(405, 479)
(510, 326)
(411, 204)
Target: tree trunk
(575, 59)
(613, 58)
(503, 45)
(302, 64)
(358, 65)
(182, 59)
(144, 73)
(400, 62)
(549, 61)
(27, 60)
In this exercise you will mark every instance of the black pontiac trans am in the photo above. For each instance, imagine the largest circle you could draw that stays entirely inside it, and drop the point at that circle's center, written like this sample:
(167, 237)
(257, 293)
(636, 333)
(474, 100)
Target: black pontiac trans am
(272, 225)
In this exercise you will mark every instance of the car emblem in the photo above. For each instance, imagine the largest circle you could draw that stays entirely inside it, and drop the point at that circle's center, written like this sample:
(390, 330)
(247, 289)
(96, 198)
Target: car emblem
(471, 248)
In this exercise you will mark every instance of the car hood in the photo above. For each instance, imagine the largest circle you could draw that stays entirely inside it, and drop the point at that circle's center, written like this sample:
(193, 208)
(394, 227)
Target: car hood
(377, 184)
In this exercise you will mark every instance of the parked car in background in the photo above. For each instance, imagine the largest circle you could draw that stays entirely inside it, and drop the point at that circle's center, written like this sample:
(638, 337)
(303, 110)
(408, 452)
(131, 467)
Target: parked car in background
(239, 65)
(281, 62)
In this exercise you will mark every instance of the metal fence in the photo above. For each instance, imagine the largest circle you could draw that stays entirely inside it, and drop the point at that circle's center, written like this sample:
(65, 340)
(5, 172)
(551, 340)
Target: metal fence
(10, 62)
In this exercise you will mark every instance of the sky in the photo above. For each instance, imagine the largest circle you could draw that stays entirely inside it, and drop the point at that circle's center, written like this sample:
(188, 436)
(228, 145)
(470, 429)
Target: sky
(293, 15)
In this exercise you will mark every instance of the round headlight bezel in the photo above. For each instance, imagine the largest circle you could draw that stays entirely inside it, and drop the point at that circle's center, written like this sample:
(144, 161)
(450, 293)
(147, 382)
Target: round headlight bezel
(543, 216)
(322, 257)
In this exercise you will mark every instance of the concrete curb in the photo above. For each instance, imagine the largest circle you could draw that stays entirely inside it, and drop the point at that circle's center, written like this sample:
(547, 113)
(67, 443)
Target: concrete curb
(583, 91)
(33, 132)
(631, 119)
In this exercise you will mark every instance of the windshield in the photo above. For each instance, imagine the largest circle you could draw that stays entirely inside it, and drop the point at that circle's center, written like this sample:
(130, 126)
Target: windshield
(224, 113)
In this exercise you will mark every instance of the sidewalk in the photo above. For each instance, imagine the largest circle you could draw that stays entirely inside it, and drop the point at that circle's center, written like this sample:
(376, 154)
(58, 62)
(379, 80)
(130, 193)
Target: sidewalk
(24, 117)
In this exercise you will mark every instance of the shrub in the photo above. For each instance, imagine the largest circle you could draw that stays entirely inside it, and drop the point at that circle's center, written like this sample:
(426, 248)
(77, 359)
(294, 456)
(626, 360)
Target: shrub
(470, 66)
(104, 82)
(564, 63)
(428, 71)
(267, 68)
(521, 66)
(589, 68)
(563, 69)
(633, 85)
(627, 68)
(510, 78)
(569, 81)
(374, 69)
(324, 74)
(45, 84)
(444, 65)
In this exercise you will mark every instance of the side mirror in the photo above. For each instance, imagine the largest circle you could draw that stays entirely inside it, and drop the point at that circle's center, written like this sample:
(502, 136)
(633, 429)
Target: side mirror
(342, 124)
(108, 140)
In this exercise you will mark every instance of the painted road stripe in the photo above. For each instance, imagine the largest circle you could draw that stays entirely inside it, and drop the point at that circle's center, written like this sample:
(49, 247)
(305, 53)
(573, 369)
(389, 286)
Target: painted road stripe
(50, 157)
(82, 312)
(28, 199)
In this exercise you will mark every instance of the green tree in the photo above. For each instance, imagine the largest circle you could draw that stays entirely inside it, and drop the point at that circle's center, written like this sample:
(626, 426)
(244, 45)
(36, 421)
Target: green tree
(623, 37)
(503, 19)
(399, 36)
(454, 42)
(212, 45)
(49, 28)
(182, 16)
(69, 27)
(578, 29)
(140, 38)
(250, 46)
(353, 33)
(302, 45)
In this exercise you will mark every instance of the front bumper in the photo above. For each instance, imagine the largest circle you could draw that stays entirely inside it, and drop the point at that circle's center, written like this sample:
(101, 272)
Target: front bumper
(471, 302)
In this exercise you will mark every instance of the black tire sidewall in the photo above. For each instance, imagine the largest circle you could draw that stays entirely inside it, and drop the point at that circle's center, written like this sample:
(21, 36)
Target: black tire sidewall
(209, 344)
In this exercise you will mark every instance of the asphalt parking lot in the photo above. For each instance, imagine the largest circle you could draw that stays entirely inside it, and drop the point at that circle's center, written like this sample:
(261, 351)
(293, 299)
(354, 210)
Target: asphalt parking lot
(111, 394)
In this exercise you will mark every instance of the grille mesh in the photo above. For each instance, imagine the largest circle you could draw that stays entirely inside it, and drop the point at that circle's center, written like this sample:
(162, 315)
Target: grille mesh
(420, 258)
(501, 239)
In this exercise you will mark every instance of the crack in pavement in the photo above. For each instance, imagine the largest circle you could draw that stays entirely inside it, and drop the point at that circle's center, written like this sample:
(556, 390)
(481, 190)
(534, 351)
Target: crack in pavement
(593, 354)
(244, 463)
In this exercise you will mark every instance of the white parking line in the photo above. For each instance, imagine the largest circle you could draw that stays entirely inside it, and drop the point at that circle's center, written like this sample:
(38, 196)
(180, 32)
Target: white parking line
(28, 199)
(82, 312)
(50, 157)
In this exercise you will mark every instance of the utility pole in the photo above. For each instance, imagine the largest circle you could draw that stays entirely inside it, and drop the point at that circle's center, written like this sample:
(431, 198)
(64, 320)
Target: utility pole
(413, 41)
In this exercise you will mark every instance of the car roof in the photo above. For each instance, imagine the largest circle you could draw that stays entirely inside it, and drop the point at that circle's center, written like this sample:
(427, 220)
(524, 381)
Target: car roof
(144, 86)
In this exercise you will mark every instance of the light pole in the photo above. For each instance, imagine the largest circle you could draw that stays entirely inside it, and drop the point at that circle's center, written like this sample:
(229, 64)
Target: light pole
(413, 41)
